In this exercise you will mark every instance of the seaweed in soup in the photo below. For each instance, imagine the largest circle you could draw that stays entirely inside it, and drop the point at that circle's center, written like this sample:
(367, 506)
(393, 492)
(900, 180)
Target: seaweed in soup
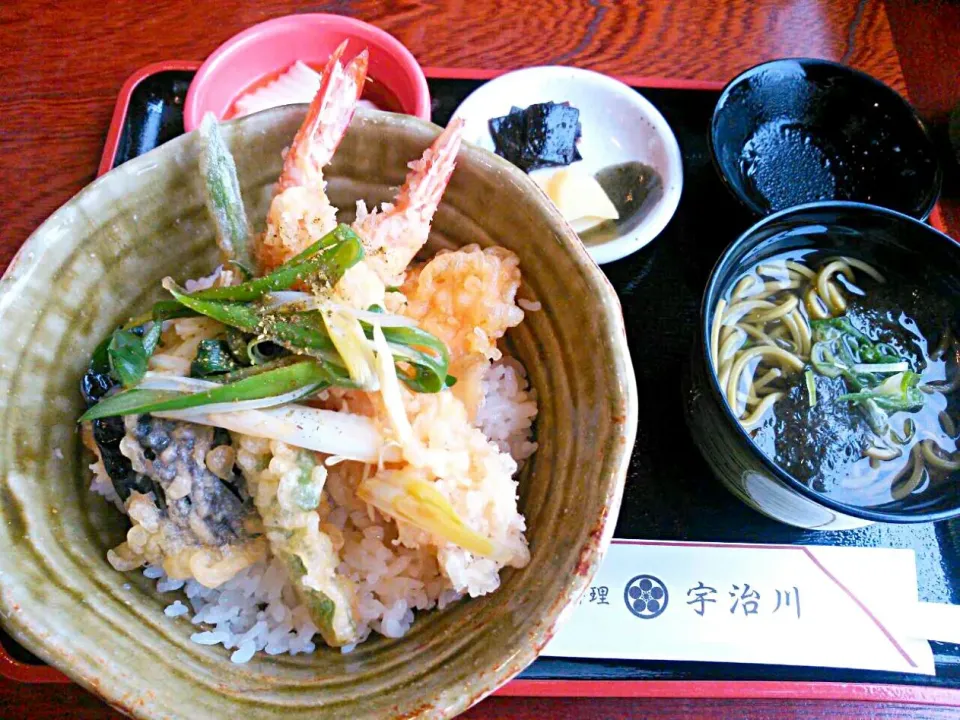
(816, 444)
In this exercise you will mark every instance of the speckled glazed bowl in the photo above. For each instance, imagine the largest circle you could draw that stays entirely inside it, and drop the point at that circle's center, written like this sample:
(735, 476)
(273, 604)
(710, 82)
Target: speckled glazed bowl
(102, 256)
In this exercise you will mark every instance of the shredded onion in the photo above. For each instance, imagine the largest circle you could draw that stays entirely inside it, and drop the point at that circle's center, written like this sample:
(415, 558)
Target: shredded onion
(274, 300)
(175, 383)
(390, 389)
(306, 301)
(244, 405)
(403, 495)
(881, 367)
(346, 332)
(354, 437)
(381, 319)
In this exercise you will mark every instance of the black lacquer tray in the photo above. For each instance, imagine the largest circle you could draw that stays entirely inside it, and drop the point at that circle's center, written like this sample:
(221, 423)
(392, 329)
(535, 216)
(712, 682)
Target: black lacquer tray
(670, 492)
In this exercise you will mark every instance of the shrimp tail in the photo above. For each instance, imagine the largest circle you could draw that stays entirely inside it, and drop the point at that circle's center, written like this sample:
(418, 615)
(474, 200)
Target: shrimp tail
(429, 176)
(393, 236)
(326, 122)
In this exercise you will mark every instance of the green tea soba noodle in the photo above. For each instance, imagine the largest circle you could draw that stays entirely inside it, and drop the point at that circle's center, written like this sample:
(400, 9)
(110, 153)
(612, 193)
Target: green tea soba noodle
(793, 324)
(765, 327)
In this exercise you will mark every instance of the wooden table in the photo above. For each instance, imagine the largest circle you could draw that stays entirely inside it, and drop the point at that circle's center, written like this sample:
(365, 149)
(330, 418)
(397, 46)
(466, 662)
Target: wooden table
(62, 64)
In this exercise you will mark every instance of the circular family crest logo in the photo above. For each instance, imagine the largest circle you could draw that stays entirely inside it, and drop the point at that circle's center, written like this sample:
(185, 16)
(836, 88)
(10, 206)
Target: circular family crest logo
(646, 596)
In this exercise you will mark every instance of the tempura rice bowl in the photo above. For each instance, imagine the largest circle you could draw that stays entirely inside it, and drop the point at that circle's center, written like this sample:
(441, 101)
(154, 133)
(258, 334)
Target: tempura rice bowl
(102, 256)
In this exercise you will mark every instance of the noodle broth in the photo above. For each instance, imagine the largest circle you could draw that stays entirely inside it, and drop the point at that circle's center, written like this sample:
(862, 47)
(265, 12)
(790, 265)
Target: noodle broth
(843, 374)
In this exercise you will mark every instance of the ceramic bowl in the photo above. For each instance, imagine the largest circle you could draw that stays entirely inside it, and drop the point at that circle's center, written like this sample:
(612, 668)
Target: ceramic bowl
(883, 237)
(618, 125)
(793, 131)
(261, 51)
(102, 256)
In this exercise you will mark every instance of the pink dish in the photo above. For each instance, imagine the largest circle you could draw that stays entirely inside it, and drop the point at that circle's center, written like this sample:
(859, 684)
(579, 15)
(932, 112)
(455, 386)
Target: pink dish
(259, 53)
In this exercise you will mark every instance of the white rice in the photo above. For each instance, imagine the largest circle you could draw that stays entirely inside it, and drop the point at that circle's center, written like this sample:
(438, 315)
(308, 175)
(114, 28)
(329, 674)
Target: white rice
(176, 610)
(255, 611)
(102, 485)
(508, 408)
(258, 610)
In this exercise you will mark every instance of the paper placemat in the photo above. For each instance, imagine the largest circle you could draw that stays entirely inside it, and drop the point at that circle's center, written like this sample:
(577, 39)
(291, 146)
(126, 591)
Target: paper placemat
(773, 604)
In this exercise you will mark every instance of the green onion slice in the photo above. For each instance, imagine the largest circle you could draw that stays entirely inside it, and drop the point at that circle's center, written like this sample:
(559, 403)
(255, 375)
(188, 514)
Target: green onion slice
(303, 378)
